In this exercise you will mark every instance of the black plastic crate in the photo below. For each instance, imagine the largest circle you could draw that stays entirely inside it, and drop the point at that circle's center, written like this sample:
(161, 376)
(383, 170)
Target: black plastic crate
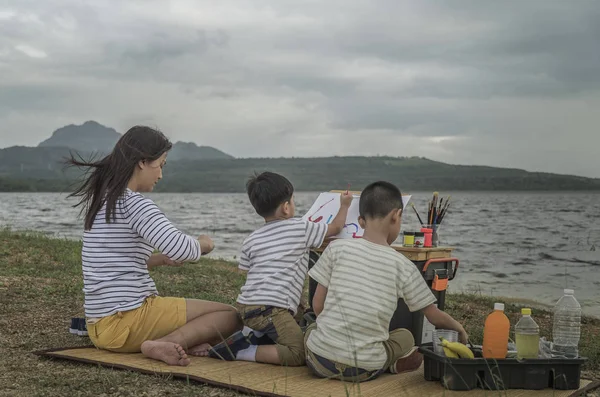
(510, 373)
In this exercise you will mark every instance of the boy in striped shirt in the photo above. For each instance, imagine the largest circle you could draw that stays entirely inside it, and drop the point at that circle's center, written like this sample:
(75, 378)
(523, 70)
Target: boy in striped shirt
(359, 284)
(276, 259)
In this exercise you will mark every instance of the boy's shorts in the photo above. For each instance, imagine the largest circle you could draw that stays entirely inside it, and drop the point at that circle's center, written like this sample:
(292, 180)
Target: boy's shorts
(280, 326)
(399, 345)
(124, 332)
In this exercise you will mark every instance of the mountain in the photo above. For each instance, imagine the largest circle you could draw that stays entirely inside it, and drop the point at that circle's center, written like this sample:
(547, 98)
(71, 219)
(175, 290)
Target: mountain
(88, 137)
(93, 137)
(191, 151)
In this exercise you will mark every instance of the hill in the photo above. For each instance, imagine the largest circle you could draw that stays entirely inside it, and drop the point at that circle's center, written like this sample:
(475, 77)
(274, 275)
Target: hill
(191, 151)
(318, 174)
(195, 168)
(325, 173)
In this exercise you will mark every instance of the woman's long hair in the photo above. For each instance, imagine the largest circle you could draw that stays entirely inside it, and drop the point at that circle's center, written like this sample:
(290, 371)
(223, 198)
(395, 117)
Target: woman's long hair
(105, 180)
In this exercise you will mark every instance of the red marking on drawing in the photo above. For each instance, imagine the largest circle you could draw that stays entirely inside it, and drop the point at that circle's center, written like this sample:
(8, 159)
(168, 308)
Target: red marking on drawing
(310, 218)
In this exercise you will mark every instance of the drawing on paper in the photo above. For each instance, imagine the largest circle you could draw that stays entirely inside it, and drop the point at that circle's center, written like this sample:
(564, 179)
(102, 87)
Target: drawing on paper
(326, 207)
(356, 229)
(320, 218)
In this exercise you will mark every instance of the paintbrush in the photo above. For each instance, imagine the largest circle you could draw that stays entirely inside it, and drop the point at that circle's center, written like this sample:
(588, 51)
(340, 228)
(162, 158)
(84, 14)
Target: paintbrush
(434, 202)
(444, 211)
(417, 212)
(429, 213)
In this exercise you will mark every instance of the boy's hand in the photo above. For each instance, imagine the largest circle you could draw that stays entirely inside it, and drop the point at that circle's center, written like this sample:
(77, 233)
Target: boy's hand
(463, 337)
(206, 244)
(337, 225)
(346, 199)
(442, 320)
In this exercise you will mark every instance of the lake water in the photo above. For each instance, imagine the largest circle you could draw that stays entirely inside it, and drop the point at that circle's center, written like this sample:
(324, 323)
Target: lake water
(520, 245)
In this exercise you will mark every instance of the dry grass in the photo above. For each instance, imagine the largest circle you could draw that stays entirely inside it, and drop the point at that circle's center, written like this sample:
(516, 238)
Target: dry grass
(40, 290)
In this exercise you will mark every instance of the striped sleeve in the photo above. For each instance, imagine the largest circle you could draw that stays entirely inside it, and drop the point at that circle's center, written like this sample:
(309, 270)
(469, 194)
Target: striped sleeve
(414, 290)
(244, 263)
(321, 271)
(315, 234)
(148, 221)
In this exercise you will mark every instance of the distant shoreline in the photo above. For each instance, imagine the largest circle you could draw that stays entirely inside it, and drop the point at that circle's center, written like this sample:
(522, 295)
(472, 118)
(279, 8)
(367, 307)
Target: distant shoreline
(404, 189)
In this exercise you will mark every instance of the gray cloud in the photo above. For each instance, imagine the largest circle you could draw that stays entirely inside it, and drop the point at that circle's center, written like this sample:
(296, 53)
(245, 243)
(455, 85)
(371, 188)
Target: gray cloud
(499, 83)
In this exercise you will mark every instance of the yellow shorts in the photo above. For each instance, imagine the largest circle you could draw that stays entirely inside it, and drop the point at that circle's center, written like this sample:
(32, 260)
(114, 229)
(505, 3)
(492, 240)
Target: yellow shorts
(124, 332)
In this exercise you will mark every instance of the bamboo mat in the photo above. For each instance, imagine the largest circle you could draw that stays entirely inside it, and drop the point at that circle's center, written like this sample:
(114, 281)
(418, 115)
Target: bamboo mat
(270, 380)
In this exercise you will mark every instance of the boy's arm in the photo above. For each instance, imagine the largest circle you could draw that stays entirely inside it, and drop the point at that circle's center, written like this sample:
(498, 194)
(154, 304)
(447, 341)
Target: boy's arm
(336, 226)
(418, 296)
(321, 273)
(318, 301)
(444, 321)
(244, 263)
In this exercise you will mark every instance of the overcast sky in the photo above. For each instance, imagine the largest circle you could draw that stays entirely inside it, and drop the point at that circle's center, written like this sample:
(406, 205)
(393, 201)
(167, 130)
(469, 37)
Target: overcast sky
(503, 83)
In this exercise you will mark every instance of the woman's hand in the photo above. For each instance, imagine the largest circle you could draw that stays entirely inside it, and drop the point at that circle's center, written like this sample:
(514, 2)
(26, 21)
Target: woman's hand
(161, 260)
(206, 244)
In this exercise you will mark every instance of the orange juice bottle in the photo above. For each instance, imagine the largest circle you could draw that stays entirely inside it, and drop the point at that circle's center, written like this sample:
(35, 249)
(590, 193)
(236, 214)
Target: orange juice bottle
(495, 333)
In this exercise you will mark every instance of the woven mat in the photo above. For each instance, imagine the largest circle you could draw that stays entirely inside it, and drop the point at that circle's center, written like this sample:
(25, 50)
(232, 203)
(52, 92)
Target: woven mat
(270, 380)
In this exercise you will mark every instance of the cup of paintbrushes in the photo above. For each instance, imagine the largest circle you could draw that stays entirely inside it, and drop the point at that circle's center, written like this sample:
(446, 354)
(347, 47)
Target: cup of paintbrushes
(431, 235)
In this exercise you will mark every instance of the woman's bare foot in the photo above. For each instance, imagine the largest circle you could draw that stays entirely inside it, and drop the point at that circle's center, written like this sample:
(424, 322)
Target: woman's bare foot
(200, 350)
(168, 352)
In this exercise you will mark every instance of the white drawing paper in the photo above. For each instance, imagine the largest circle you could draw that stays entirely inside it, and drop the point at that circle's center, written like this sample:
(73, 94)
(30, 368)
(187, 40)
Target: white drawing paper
(326, 207)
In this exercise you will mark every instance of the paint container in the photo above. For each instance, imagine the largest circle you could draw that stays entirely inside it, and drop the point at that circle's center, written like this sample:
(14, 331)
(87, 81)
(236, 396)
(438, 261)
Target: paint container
(428, 235)
(409, 239)
(419, 239)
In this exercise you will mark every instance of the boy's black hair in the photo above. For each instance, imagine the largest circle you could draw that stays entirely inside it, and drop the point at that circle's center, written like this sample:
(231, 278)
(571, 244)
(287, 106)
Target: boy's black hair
(379, 199)
(267, 191)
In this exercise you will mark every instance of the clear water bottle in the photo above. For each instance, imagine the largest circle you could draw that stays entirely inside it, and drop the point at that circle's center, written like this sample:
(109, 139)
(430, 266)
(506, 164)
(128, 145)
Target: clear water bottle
(567, 326)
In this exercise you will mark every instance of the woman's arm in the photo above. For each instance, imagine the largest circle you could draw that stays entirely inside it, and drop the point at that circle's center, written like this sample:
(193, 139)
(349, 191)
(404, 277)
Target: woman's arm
(158, 259)
(150, 223)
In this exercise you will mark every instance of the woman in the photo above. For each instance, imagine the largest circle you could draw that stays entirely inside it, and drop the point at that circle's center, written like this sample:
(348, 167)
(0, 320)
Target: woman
(122, 229)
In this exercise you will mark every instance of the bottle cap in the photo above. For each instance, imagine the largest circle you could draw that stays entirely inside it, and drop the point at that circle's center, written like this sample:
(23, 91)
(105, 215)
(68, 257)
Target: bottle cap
(419, 234)
(526, 311)
(499, 306)
(569, 291)
(409, 233)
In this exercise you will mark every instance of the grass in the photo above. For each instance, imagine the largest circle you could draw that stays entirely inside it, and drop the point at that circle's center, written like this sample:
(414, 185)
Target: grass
(40, 290)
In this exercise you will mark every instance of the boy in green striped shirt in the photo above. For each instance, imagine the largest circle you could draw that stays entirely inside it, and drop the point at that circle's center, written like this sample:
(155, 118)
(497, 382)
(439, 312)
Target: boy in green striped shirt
(359, 284)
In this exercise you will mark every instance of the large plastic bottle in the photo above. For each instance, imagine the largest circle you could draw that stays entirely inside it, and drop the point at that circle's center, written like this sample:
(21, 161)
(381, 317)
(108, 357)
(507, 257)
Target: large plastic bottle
(527, 335)
(567, 326)
(495, 333)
